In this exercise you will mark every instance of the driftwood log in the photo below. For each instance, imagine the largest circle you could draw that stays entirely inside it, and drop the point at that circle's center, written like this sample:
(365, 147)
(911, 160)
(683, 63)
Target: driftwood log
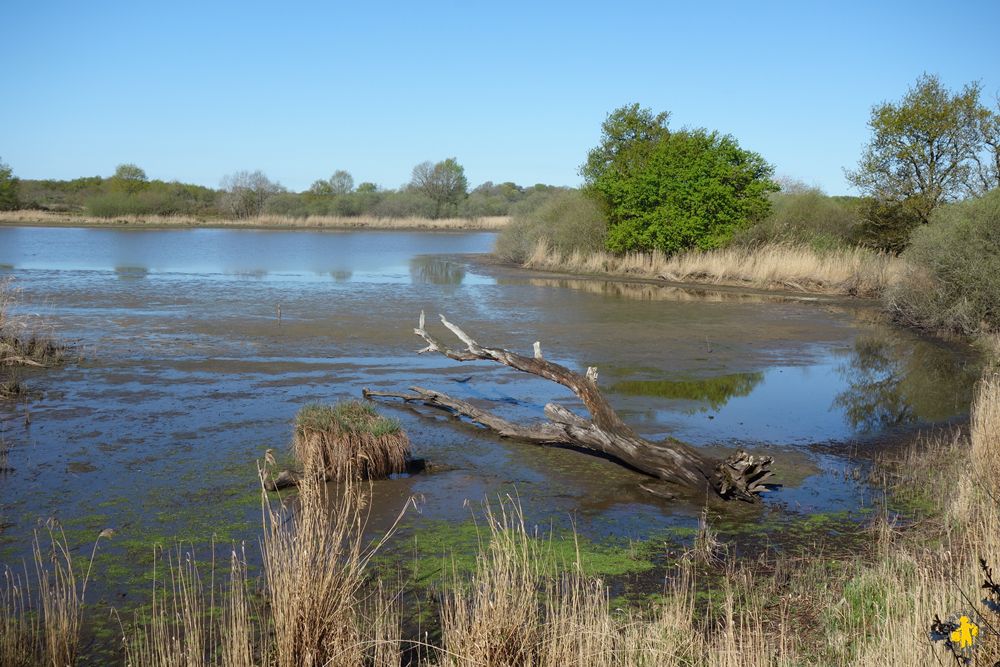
(740, 476)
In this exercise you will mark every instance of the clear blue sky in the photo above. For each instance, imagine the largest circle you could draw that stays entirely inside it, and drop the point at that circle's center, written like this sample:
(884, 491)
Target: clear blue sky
(515, 90)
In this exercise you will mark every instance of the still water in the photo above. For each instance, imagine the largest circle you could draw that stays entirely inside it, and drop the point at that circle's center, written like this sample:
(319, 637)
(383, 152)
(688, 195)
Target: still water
(198, 347)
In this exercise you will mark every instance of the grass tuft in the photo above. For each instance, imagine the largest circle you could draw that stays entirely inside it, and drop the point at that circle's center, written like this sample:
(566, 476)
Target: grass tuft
(349, 438)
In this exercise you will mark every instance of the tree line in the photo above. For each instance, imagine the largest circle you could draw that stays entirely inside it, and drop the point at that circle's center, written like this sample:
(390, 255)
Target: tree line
(435, 190)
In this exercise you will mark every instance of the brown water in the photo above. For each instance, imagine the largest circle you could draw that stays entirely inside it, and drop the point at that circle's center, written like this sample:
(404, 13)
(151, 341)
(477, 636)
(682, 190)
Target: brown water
(188, 375)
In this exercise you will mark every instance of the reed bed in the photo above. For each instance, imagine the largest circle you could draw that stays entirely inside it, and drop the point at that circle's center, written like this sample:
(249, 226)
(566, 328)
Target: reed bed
(852, 271)
(486, 223)
(349, 437)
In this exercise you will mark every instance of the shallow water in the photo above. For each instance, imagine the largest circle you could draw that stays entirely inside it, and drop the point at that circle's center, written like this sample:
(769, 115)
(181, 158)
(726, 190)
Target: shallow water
(199, 346)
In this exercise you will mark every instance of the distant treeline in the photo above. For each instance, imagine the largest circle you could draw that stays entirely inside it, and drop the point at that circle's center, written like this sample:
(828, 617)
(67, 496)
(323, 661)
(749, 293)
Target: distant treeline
(436, 190)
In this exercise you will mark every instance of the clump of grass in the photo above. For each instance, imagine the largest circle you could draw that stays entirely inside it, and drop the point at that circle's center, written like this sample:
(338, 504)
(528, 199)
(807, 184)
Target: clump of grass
(853, 271)
(19, 344)
(349, 438)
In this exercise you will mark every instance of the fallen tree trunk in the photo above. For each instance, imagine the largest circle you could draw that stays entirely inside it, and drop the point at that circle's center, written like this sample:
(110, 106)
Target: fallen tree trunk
(740, 476)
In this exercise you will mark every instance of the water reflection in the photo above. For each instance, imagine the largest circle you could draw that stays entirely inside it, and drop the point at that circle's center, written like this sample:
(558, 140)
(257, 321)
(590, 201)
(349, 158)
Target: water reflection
(712, 392)
(651, 291)
(341, 275)
(427, 269)
(131, 272)
(890, 383)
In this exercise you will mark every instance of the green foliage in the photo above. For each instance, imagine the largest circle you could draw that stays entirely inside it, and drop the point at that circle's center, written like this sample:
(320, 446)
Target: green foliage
(346, 417)
(155, 198)
(922, 149)
(671, 191)
(444, 183)
(886, 225)
(129, 178)
(8, 188)
(806, 217)
(567, 219)
(953, 270)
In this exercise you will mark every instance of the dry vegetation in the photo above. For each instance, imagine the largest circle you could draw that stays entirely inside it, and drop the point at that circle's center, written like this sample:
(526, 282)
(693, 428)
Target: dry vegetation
(349, 438)
(27, 217)
(316, 602)
(853, 271)
(22, 342)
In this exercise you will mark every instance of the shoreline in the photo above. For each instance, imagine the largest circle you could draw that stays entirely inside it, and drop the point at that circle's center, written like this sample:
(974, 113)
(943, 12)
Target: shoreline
(37, 218)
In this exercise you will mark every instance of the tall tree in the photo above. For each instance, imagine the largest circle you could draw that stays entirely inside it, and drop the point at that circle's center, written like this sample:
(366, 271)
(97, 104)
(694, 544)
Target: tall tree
(129, 177)
(922, 148)
(669, 191)
(444, 183)
(341, 182)
(246, 192)
(8, 188)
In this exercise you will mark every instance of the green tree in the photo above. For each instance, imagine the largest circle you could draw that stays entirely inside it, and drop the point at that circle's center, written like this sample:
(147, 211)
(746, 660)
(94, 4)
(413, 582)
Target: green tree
(670, 191)
(628, 136)
(8, 188)
(129, 178)
(444, 183)
(922, 148)
(368, 187)
(321, 188)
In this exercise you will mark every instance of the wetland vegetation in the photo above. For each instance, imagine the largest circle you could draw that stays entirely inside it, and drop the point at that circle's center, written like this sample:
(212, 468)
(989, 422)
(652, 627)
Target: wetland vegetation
(135, 522)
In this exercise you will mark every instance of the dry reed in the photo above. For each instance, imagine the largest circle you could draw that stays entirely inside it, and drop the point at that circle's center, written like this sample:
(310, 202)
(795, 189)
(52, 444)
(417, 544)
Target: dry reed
(350, 436)
(28, 217)
(854, 271)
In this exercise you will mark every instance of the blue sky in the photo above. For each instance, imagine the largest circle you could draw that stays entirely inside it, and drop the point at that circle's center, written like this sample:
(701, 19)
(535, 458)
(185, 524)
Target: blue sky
(516, 91)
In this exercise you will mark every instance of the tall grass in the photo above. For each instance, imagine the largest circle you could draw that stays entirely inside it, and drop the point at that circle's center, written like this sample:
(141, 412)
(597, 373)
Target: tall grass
(489, 223)
(853, 271)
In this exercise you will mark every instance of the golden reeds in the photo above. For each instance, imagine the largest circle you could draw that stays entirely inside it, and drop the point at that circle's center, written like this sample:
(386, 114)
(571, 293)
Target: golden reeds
(349, 436)
(854, 271)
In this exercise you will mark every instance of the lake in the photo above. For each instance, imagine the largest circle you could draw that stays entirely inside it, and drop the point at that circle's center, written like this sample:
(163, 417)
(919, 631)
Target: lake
(199, 346)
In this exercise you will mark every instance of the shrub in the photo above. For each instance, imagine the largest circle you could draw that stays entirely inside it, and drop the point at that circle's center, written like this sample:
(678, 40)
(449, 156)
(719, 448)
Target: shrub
(885, 225)
(567, 220)
(808, 218)
(952, 275)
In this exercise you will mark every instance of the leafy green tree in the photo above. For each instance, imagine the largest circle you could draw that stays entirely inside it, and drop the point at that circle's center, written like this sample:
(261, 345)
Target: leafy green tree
(444, 183)
(628, 135)
(922, 149)
(8, 188)
(670, 191)
(367, 186)
(320, 188)
(129, 178)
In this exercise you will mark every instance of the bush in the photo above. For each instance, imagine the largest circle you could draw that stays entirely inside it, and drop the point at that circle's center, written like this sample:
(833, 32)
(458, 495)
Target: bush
(952, 276)
(406, 204)
(568, 220)
(886, 225)
(804, 218)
